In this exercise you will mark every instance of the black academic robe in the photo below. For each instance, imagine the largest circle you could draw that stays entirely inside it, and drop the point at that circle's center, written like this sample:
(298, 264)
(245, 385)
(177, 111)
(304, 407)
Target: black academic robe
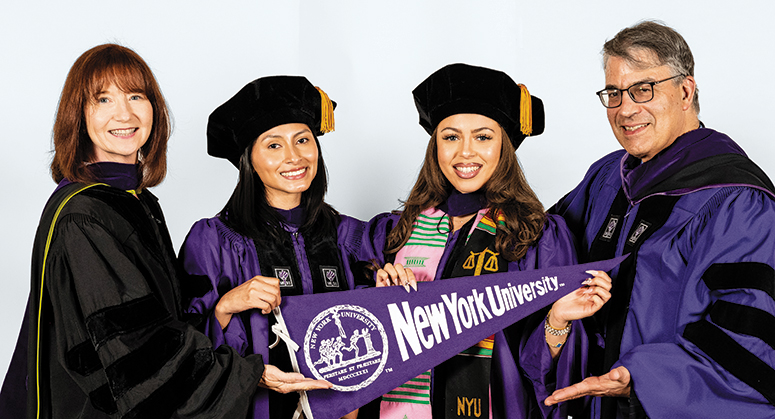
(112, 342)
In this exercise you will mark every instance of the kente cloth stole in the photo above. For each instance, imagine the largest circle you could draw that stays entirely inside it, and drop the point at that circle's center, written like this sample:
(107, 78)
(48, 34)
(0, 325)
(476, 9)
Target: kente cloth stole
(461, 384)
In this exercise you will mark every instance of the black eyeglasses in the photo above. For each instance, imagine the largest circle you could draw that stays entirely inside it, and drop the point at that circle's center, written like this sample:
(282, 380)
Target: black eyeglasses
(639, 93)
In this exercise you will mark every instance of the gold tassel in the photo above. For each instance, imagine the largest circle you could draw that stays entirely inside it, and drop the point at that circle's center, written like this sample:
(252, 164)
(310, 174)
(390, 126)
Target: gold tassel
(525, 111)
(326, 112)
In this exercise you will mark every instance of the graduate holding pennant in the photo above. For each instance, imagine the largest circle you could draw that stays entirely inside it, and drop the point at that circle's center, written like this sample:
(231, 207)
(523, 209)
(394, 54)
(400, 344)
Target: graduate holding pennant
(276, 236)
(471, 212)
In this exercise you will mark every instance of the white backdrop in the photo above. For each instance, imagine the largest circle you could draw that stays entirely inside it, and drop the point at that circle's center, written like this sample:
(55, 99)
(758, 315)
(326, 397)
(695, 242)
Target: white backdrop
(367, 56)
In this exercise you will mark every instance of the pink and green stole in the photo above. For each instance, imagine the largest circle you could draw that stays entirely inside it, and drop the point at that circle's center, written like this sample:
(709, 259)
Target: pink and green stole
(422, 253)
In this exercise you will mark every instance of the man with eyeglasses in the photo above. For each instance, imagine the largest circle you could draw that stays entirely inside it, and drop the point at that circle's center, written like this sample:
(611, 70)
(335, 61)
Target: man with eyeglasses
(690, 329)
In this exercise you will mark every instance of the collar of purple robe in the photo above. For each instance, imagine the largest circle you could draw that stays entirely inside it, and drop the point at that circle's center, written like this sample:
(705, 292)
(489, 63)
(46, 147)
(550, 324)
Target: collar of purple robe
(687, 149)
(118, 175)
(294, 217)
(458, 204)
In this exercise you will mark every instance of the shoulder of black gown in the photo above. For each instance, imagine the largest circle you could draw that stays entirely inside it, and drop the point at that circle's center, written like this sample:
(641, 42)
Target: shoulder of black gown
(117, 330)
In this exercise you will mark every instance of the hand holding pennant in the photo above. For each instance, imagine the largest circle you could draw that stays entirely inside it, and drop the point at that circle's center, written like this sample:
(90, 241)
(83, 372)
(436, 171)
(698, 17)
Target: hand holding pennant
(369, 341)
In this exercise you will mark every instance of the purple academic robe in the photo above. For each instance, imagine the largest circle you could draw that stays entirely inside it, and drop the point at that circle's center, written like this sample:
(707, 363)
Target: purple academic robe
(522, 370)
(228, 259)
(698, 324)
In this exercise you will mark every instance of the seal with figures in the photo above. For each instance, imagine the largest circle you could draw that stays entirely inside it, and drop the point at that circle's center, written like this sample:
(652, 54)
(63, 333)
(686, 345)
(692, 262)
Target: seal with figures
(346, 345)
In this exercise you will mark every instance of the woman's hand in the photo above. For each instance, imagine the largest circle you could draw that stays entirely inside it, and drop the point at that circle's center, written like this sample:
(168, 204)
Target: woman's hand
(583, 302)
(261, 292)
(285, 382)
(396, 275)
(579, 304)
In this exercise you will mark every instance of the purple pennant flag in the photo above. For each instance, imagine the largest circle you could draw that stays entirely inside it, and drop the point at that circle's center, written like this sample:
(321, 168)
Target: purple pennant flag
(369, 341)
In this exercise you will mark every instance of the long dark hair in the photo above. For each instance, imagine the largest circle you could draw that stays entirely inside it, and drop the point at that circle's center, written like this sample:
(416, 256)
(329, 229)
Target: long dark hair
(248, 212)
(507, 190)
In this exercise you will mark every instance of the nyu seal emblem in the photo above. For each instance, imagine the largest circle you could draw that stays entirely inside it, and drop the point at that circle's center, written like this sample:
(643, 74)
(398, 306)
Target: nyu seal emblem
(346, 345)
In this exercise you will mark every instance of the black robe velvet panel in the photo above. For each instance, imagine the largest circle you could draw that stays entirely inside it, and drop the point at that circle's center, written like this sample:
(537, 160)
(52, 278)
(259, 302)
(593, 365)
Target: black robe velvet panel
(112, 342)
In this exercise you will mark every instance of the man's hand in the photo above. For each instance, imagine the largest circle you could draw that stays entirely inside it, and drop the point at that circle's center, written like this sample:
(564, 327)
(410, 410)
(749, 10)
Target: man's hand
(286, 382)
(614, 384)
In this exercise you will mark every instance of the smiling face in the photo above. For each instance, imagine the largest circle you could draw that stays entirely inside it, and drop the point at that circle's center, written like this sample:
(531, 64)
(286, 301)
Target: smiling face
(645, 129)
(286, 160)
(468, 149)
(118, 124)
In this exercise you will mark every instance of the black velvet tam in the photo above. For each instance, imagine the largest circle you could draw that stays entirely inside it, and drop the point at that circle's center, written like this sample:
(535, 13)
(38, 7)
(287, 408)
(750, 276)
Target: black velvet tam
(462, 88)
(262, 105)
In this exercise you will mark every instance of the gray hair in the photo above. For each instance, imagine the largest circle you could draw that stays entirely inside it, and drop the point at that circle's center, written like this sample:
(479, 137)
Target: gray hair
(667, 46)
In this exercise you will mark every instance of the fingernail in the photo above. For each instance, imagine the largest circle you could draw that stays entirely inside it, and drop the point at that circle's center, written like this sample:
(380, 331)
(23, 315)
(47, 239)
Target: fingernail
(414, 285)
(406, 287)
(592, 272)
(587, 282)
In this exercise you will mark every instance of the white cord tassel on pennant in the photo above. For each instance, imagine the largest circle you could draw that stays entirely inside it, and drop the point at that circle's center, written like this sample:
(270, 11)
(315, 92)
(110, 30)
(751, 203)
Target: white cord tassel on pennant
(282, 334)
(281, 331)
(297, 413)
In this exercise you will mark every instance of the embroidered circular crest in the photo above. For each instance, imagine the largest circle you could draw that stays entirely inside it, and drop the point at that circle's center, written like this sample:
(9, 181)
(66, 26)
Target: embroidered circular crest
(346, 345)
